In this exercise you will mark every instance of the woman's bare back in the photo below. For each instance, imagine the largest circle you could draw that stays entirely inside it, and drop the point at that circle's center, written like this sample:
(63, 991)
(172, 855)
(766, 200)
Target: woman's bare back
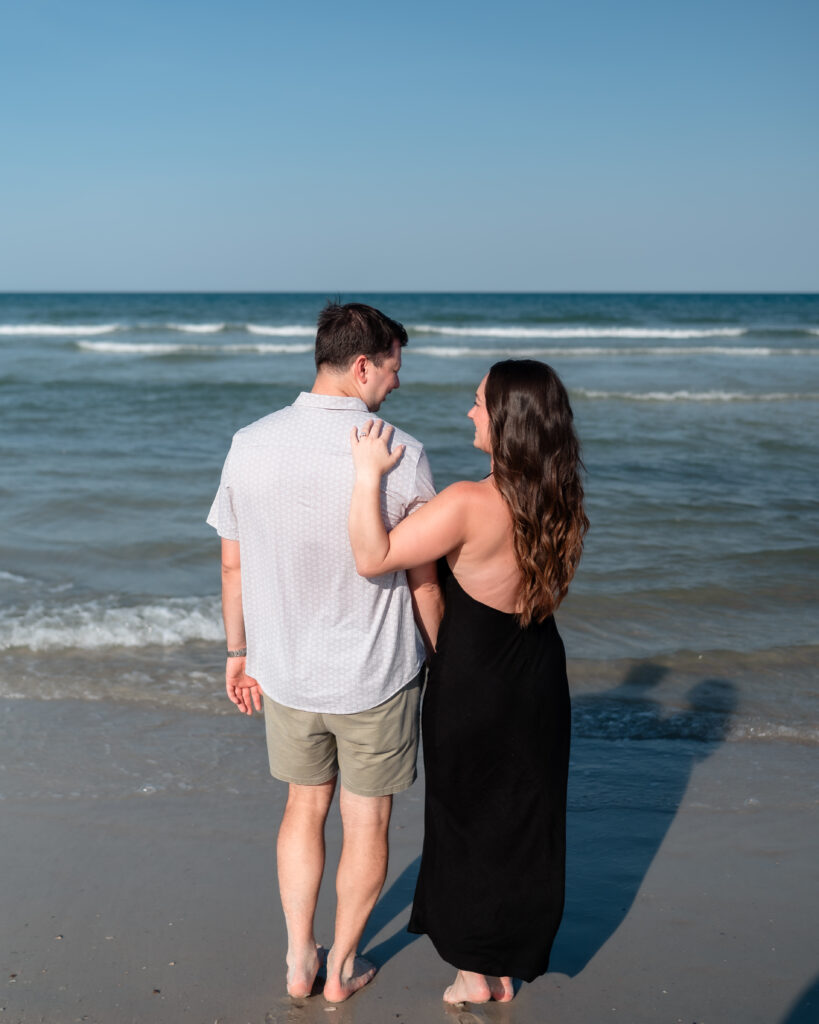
(484, 564)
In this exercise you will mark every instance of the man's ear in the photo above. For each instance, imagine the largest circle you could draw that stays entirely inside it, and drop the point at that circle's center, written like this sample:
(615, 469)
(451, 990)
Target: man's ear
(360, 368)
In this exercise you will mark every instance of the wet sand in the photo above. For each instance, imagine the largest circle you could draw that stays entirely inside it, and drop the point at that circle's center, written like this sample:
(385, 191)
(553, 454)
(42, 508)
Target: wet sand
(138, 882)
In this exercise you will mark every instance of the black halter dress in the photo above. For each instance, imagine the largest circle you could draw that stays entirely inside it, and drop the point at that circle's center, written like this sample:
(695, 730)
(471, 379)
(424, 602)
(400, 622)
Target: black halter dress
(496, 723)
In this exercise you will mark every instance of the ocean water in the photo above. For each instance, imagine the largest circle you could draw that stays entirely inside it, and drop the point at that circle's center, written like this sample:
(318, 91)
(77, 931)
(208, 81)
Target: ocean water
(694, 612)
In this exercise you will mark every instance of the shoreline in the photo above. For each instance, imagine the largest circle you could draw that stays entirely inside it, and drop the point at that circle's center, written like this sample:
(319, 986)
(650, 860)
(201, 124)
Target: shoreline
(140, 881)
(736, 696)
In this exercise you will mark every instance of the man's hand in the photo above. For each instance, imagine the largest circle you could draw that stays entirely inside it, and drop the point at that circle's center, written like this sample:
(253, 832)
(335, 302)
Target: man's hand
(242, 689)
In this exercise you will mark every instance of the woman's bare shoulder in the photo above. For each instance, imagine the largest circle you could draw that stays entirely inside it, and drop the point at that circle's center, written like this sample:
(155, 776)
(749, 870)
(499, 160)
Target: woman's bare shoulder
(464, 489)
(475, 498)
(465, 494)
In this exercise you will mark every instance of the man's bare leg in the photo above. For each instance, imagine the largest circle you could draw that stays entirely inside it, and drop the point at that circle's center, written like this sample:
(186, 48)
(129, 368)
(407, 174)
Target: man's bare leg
(300, 856)
(361, 873)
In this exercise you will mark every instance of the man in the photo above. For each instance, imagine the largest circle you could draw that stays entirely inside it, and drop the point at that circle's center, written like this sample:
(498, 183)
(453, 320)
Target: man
(337, 657)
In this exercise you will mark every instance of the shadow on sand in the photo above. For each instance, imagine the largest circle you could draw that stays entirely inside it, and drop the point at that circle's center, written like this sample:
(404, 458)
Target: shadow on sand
(624, 796)
(806, 1008)
(391, 903)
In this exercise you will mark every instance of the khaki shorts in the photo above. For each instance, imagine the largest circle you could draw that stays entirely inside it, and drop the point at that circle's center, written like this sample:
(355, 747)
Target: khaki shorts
(373, 751)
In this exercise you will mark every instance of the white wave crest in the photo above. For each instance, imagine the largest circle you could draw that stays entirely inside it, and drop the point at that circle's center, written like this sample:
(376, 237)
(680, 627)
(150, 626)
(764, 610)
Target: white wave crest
(56, 330)
(198, 328)
(695, 396)
(11, 577)
(142, 348)
(582, 332)
(270, 349)
(465, 352)
(288, 331)
(802, 733)
(595, 351)
(94, 624)
(150, 348)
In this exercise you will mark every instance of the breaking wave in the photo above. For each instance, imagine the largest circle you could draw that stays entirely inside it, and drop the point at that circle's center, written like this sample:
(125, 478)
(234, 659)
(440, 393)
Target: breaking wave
(290, 331)
(591, 351)
(96, 624)
(57, 330)
(696, 396)
(198, 328)
(148, 348)
(581, 332)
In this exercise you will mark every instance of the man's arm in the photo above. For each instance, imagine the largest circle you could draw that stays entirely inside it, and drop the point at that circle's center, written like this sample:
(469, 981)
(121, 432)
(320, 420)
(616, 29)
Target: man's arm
(427, 603)
(242, 689)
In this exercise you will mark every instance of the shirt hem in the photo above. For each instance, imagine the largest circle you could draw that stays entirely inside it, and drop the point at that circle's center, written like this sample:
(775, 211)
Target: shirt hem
(347, 711)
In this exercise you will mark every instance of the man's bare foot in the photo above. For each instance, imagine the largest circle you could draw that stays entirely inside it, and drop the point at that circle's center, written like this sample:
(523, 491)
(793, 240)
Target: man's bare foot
(468, 987)
(503, 989)
(302, 971)
(344, 979)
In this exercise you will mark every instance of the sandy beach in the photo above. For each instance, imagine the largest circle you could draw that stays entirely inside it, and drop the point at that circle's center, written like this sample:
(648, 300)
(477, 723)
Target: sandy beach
(139, 883)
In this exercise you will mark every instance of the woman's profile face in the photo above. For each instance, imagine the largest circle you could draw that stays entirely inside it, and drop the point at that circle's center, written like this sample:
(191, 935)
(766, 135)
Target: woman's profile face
(480, 417)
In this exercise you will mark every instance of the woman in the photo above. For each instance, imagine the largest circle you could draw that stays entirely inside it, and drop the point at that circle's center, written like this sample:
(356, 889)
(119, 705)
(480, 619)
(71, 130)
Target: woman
(496, 711)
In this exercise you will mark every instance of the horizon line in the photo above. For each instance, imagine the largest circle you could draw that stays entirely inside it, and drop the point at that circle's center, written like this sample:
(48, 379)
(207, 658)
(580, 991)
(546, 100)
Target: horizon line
(388, 291)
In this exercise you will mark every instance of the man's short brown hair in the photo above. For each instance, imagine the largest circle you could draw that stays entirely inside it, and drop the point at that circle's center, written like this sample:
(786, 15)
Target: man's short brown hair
(355, 329)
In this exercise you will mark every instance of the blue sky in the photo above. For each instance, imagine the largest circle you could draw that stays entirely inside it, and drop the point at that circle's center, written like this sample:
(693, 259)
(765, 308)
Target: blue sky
(587, 146)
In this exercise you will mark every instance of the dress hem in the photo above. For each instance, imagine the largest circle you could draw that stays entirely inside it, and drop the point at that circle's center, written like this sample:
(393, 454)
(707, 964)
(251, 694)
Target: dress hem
(464, 963)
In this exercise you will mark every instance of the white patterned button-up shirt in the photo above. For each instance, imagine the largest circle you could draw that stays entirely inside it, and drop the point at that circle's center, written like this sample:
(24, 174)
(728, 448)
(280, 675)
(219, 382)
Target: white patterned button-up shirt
(319, 636)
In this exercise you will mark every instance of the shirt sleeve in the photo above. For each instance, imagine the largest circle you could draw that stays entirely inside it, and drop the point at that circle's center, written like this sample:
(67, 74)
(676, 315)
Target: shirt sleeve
(423, 488)
(222, 515)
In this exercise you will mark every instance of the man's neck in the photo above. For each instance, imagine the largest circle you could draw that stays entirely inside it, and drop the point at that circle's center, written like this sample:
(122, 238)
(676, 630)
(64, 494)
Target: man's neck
(339, 385)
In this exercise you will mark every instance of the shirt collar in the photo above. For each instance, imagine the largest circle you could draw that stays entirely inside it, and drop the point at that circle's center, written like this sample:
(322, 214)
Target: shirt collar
(307, 400)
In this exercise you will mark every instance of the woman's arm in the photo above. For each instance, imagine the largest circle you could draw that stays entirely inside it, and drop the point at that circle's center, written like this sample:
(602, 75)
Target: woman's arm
(434, 530)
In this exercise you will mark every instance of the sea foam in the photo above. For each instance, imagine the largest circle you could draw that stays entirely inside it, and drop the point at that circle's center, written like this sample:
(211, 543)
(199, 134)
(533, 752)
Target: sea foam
(99, 623)
(198, 328)
(150, 348)
(696, 396)
(57, 330)
(288, 331)
(594, 351)
(153, 348)
(581, 332)
(11, 577)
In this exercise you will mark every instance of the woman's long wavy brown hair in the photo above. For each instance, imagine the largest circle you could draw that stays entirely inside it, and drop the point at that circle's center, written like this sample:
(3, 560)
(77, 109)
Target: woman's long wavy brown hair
(537, 467)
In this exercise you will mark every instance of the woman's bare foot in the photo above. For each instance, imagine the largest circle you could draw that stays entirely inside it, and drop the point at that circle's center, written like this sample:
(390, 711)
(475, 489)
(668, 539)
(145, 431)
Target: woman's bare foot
(344, 979)
(503, 989)
(468, 987)
(302, 971)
